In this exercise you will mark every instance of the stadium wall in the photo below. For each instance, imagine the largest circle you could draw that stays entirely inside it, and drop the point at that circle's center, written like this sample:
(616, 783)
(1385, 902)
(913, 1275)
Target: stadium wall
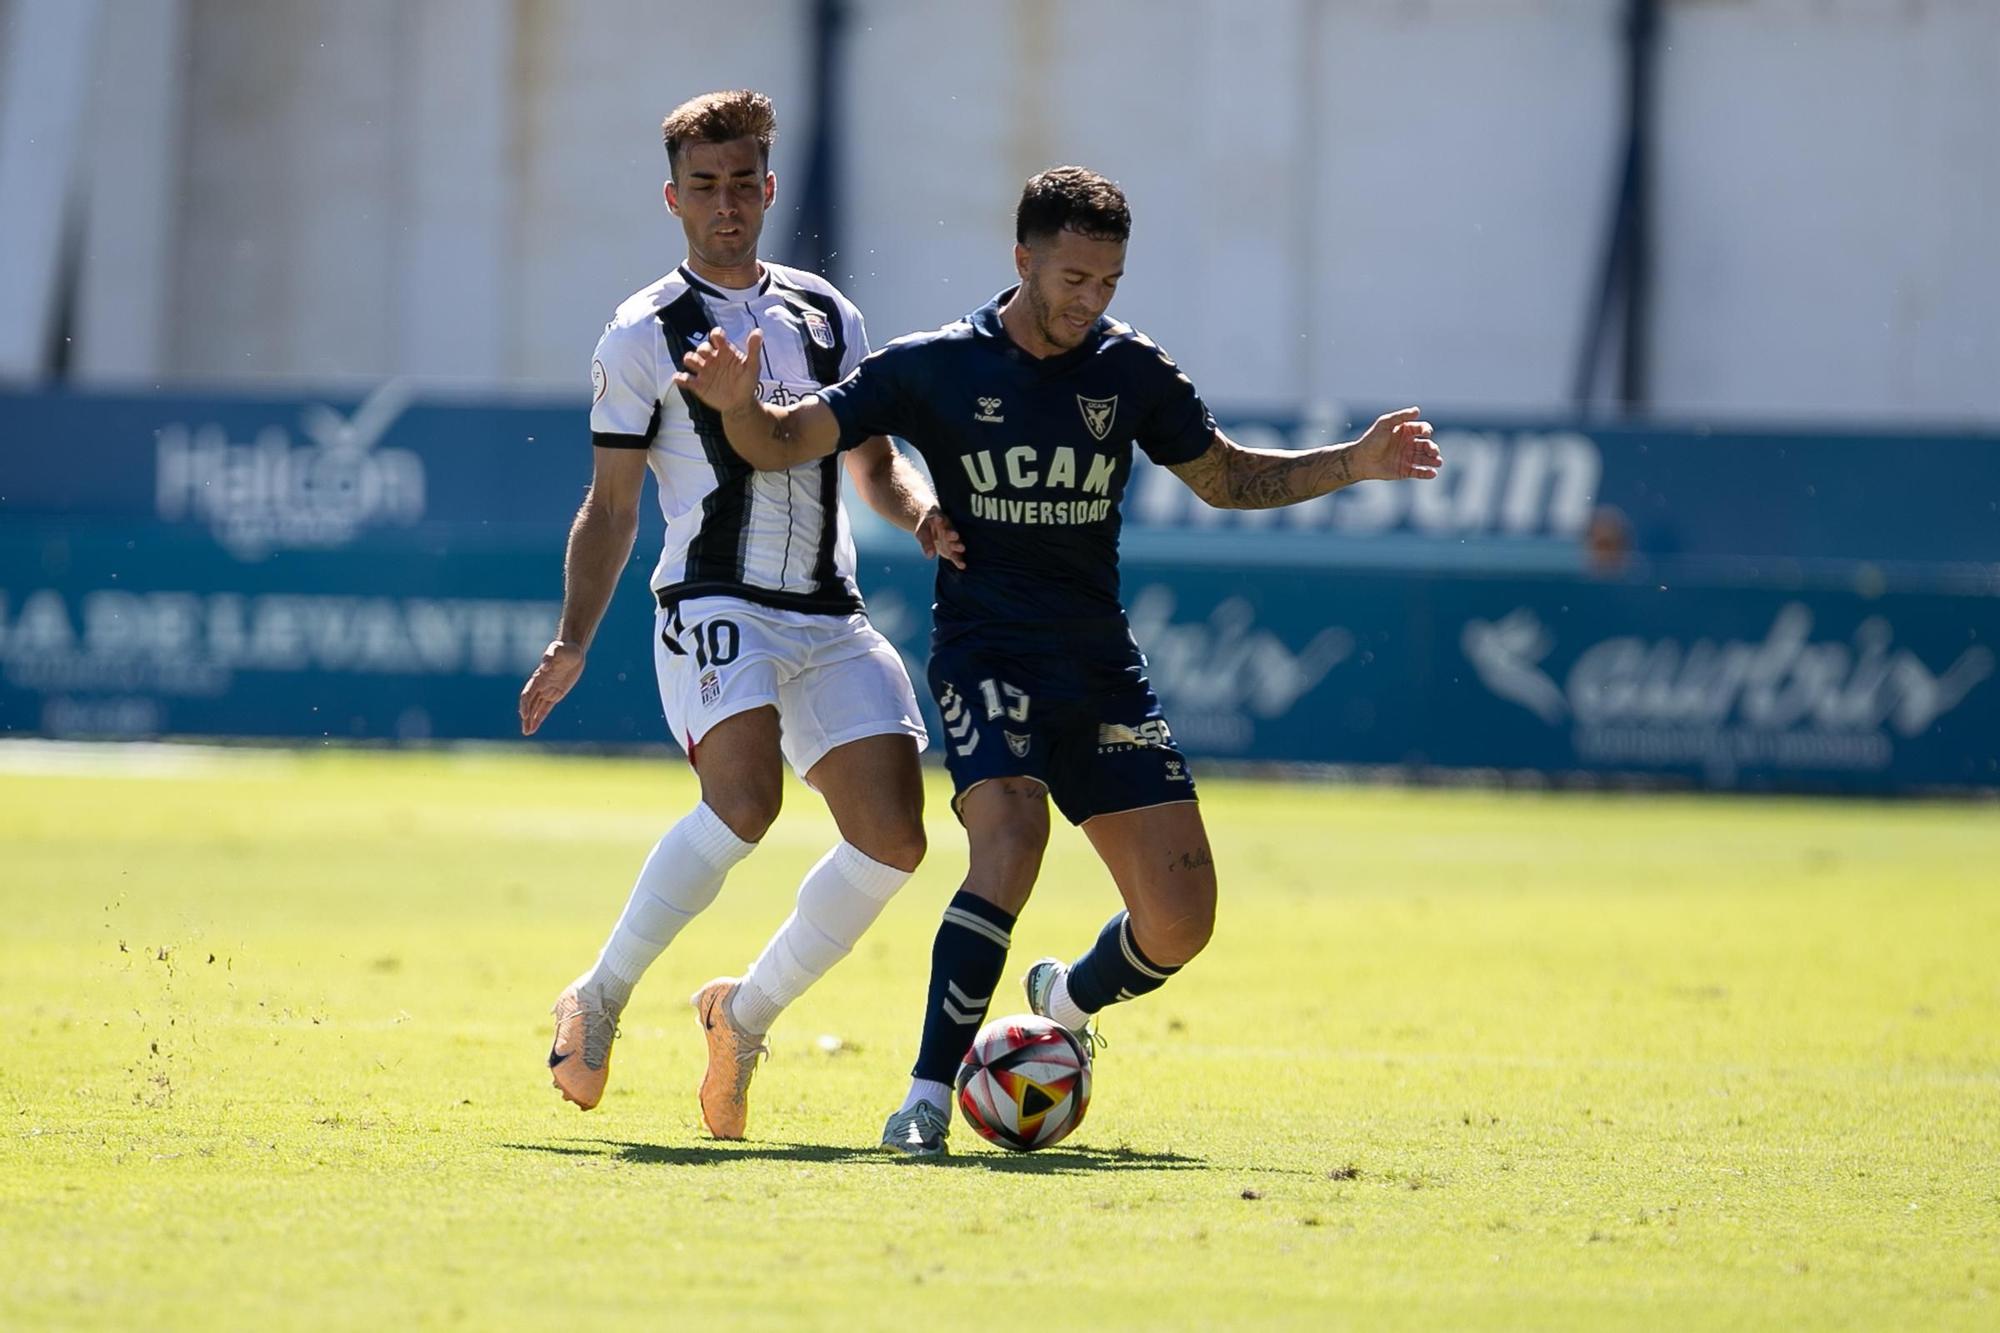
(1778, 612)
(1399, 201)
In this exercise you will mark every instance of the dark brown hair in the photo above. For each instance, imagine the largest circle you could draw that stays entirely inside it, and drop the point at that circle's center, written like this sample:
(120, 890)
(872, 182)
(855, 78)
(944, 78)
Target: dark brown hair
(1071, 199)
(719, 118)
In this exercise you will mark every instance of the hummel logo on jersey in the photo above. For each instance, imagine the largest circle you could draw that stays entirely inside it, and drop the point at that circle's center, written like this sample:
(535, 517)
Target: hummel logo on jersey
(989, 410)
(1097, 413)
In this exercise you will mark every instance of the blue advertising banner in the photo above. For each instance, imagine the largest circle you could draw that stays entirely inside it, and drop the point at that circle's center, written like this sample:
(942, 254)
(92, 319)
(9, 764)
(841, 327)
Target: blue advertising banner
(1724, 686)
(1747, 504)
(391, 568)
(261, 475)
(1730, 687)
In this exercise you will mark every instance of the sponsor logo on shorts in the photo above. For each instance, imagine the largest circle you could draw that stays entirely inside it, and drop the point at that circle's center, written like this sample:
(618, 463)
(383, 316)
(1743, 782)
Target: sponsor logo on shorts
(711, 688)
(1149, 735)
(597, 382)
(1176, 771)
(1018, 744)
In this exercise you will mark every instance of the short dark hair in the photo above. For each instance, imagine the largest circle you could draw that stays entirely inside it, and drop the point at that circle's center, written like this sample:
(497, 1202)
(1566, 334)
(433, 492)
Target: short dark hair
(1071, 199)
(720, 118)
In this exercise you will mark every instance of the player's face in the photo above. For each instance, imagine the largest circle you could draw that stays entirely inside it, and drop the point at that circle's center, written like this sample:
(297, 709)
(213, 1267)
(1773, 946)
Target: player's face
(1069, 280)
(720, 192)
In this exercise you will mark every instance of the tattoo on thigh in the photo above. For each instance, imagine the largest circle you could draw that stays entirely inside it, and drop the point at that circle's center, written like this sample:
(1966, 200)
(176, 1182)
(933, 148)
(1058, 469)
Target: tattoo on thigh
(1194, 860)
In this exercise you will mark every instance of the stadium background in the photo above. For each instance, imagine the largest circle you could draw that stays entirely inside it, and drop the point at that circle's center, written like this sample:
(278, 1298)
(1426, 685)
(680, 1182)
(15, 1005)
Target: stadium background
(296, 304)
(296, 301)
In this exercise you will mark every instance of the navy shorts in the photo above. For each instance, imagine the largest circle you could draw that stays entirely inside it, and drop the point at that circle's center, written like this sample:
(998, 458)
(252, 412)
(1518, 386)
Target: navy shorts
(1089, 731)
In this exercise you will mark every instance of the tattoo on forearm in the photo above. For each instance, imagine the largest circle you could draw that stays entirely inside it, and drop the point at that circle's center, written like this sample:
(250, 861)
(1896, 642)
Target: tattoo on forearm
(1264, 481)
(1229, 477)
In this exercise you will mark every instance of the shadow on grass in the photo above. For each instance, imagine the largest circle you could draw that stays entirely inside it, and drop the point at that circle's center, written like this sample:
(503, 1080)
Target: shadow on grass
(1048, 1161)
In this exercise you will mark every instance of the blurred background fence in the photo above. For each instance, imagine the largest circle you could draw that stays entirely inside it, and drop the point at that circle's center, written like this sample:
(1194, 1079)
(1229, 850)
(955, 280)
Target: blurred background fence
(295, 300)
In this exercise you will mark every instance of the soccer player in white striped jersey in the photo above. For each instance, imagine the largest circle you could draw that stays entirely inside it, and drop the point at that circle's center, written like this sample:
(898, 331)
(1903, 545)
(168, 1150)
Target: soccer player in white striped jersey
(763, 650)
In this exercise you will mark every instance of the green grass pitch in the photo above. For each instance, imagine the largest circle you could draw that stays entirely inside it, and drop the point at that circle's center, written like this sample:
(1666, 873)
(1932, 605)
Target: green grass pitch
(275, 1027)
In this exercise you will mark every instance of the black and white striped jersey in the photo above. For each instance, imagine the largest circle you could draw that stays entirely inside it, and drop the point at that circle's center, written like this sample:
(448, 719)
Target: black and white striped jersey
(776, 538)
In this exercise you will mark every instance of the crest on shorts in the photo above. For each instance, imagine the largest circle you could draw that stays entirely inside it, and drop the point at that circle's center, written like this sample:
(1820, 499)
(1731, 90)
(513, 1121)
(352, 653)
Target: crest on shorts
(1018, 744)
(1097, 413)
(818, 328)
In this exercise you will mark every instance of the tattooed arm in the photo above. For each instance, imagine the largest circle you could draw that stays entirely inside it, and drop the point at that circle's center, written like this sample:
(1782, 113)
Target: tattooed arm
(1229, 476)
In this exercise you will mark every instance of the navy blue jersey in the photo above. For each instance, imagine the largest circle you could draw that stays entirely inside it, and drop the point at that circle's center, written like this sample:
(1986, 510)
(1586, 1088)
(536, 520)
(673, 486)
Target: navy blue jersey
(1030, 458)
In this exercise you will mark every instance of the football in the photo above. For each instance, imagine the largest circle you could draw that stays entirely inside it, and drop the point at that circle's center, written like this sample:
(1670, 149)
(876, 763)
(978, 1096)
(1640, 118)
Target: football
(1025, 1083)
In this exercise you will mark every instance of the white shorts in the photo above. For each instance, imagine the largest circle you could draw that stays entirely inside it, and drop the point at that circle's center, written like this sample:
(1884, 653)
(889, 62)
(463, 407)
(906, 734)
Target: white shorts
(833, 679)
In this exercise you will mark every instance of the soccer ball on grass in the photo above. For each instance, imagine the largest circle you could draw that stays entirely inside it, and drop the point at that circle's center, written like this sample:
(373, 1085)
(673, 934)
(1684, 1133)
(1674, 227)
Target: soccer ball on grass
(1025, 1083)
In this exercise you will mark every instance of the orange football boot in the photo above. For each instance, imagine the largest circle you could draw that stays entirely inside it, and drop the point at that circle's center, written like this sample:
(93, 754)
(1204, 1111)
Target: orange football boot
(732, 1058)
(580, 1058)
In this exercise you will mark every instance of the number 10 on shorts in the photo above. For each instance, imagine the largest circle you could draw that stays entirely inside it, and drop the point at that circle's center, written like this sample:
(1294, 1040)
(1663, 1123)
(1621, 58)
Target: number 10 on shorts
(716, 642)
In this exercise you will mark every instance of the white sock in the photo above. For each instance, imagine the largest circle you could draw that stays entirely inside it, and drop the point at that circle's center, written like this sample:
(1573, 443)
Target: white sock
(680, 877)
(1063, 1009)
(838, 900)
(924, 1090)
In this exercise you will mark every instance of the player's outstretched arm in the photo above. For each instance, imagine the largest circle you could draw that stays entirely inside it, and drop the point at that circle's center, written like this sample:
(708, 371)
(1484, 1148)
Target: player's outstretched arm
(768, 438)
(1397, 447)
(894, 488)
(600, 541)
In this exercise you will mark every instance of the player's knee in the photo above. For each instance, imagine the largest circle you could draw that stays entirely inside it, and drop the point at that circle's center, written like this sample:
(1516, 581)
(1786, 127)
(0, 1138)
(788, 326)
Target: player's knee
(899, 843)
(1175, 941)
(1005, 862)
(749, 810)
(1015, 849)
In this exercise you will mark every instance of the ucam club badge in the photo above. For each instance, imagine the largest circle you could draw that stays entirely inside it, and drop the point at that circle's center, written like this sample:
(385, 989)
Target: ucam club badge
(1097, 413)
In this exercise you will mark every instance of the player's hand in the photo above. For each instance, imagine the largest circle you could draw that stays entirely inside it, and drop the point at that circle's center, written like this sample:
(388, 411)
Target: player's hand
(1396, 447)
(561, 665)
(939, 538)
(720, 375)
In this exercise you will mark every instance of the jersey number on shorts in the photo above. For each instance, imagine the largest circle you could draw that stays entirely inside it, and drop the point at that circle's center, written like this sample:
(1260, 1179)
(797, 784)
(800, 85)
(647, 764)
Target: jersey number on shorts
(1000, 698)
(716, 642)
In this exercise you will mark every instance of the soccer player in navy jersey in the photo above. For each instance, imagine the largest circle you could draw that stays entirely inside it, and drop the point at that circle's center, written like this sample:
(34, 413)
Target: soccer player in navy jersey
(1026, 411)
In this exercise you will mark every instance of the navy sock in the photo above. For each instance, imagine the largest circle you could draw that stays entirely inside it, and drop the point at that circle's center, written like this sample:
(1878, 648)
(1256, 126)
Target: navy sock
(967, 958)
(1114, 969)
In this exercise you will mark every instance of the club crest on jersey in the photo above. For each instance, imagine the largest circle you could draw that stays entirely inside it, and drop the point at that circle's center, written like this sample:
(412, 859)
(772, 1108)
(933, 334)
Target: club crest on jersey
(818, 328)
(1018, 744)
(1097, 413)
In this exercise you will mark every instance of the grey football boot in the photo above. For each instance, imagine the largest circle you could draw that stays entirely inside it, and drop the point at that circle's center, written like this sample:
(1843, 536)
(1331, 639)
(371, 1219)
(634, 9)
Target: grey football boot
(918, 1131)
(1040, 983)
